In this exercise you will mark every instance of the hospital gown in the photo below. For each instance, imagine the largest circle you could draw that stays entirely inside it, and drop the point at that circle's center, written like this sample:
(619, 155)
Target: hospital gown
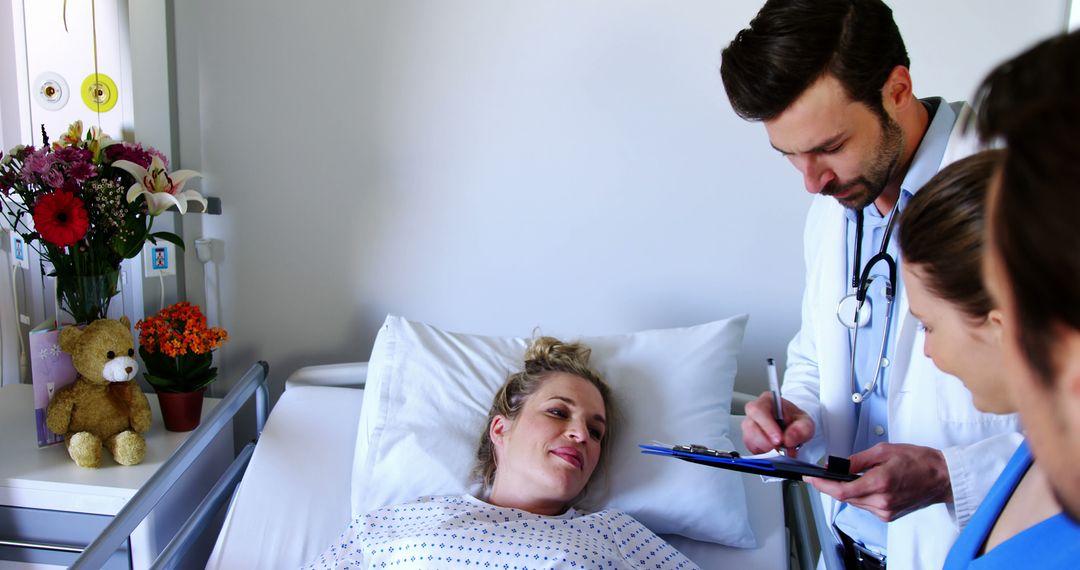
(465, 532)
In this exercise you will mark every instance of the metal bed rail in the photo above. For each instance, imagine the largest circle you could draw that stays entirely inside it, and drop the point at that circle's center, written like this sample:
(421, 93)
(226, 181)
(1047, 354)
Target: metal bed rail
(143, 502)
(196, 523)
(830, 549)
(800, 522)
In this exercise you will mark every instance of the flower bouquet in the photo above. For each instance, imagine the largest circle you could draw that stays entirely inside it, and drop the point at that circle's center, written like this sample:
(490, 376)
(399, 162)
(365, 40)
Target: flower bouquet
(86, 203)
(177, 348)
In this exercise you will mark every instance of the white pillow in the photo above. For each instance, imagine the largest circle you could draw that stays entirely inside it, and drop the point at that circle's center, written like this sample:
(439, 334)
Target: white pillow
(428, 393)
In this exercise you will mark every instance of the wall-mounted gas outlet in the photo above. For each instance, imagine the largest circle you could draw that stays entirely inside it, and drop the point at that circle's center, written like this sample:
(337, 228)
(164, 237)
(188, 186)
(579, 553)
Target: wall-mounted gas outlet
(99, 92)
(50, 91)
(159, 259)
(19, 255)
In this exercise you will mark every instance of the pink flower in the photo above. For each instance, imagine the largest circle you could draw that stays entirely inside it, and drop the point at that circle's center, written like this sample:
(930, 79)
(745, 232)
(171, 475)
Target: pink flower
(38, 162)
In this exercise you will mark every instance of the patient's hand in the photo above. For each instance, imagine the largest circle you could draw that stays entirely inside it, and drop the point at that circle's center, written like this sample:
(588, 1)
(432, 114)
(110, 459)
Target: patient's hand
(761, 433)
(897, 479)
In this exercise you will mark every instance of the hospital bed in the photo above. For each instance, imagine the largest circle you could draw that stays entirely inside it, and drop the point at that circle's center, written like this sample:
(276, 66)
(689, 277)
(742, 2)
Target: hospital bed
(293, 495)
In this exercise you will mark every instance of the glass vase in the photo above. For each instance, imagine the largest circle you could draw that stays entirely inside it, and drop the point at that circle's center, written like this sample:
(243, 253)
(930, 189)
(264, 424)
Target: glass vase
(86, 297)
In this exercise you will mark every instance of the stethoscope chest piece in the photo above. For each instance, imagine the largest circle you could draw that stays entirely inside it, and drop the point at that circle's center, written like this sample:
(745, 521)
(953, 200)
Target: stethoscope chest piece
(851, 314)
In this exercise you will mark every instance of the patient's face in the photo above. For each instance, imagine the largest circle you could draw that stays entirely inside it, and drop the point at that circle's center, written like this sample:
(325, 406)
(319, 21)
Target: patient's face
(548, 453)
(967, 348)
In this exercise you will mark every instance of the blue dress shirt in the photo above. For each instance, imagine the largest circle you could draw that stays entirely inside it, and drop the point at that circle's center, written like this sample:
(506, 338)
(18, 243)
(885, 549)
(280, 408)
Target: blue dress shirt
(872, 416)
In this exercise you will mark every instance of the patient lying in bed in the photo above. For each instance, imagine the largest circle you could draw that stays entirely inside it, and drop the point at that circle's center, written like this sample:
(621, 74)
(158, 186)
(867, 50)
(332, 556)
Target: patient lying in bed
(545, 437)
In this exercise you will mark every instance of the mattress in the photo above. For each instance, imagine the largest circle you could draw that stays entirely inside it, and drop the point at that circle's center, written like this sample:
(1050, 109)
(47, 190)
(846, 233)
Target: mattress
(294, 498)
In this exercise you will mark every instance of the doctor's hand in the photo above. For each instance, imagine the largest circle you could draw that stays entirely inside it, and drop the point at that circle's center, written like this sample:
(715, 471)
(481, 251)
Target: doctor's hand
(897, 479)
(761, 433)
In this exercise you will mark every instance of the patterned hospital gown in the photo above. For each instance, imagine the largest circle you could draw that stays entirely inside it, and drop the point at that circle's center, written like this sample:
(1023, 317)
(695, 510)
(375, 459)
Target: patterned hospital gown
(465, 532)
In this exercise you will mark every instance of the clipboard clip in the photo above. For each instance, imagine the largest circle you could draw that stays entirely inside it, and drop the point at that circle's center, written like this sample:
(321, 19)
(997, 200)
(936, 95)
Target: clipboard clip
(702, 450)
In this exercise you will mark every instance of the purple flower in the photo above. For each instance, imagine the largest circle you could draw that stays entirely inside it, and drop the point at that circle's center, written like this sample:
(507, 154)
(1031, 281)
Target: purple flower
(82, 171)
(132, 152)
(7, 182)
(155, 152)
(70, 185)
(73, 154)
(53, 178)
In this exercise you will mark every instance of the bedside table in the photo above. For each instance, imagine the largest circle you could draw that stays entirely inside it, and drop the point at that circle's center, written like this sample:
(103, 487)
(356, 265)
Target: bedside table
(46, 499)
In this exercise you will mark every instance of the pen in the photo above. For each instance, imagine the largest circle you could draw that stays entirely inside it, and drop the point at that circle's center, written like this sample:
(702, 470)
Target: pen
(774, 387)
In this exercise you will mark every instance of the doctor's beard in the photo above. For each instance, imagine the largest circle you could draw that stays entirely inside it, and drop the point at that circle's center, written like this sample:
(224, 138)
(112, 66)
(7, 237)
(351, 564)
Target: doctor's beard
(883, 166)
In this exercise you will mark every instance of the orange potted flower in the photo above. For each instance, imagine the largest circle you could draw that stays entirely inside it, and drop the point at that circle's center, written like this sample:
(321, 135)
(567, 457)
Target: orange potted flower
(177, 348)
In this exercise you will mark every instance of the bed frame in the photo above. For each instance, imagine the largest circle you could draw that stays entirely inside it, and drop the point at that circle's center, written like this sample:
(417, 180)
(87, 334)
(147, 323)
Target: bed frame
(799, 499)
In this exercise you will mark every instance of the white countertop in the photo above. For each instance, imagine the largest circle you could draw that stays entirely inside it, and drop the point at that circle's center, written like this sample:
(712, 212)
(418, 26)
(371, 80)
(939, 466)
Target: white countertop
(47, 478)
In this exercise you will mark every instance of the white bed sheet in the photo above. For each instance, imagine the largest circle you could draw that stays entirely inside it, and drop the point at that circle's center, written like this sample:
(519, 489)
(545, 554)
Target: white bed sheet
(294, 498)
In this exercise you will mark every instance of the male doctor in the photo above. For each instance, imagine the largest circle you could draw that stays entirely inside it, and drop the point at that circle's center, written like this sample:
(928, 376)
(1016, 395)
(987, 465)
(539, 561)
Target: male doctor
(830, 81)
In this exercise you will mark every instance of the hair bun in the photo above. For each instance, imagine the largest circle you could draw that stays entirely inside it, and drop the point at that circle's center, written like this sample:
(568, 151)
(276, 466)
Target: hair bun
(546, 351)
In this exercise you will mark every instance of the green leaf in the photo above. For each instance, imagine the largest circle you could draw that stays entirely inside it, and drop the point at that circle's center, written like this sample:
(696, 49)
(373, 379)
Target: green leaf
(185, 373)
(130, 247)
(169, 237)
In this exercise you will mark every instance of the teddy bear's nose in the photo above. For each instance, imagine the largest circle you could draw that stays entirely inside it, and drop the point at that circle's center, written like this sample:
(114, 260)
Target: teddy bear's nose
(128, 370)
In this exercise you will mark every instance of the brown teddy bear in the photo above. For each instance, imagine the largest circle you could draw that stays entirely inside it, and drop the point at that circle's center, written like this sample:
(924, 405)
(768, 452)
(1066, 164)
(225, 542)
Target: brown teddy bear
(104, 406)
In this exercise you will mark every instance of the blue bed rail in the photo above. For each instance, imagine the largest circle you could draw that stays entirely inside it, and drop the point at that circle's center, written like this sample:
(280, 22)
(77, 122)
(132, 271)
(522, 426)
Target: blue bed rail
(143, 502)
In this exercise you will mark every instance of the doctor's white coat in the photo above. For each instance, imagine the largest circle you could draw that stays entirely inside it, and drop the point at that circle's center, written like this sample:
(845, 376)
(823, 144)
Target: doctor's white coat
(925, 406)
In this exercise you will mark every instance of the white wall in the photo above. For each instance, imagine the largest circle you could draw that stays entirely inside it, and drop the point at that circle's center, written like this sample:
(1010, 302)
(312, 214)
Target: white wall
(9, 134)
(492, 166)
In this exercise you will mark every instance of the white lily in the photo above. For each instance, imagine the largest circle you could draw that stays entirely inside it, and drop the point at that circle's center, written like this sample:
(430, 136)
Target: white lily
(161, 188)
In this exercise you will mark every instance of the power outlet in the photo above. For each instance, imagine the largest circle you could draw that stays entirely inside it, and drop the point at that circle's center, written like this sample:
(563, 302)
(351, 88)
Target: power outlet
(20, 257)
(159, 259)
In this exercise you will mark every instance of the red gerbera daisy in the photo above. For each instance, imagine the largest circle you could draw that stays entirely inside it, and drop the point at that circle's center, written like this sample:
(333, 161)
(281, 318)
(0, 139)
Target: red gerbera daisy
(60, 218)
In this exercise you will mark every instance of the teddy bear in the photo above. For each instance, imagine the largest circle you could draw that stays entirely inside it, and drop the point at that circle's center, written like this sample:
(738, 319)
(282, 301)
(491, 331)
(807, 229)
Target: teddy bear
(104, 406)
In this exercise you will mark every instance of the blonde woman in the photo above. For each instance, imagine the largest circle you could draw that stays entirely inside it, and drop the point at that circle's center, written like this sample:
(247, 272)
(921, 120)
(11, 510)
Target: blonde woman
(547, 431)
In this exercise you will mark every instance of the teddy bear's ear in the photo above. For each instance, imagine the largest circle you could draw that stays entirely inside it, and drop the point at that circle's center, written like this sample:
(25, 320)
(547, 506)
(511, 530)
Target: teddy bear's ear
(125, 321)
(69, 336)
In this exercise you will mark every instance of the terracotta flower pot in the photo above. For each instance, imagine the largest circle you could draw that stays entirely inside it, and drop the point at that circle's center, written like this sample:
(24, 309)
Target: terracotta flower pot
(181, 411)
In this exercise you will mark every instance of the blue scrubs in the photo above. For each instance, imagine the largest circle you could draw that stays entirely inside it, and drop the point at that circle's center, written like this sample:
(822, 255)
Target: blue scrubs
(1052, 543)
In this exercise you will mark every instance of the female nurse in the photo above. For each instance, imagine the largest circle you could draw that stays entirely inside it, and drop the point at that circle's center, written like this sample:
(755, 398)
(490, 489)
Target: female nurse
(941, 237)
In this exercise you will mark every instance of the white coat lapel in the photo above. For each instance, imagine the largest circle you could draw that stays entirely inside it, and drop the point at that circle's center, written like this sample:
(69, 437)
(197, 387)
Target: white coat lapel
(836, 375)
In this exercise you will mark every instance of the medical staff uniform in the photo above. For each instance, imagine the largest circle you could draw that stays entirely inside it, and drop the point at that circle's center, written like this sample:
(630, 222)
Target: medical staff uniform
(1052, 543)
(913, 401)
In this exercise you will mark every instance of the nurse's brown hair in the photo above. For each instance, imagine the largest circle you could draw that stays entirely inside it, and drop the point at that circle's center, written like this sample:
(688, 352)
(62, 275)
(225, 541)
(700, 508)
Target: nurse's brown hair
(1030, 102)
(941, 231)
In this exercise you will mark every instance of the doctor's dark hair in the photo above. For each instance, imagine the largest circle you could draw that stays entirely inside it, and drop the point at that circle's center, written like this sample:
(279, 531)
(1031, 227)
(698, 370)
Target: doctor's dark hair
(1030, 102)
(942, 227)
(545, 355)
(790, 44)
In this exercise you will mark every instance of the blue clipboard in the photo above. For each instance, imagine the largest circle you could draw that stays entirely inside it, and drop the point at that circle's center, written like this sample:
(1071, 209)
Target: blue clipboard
(779, 466)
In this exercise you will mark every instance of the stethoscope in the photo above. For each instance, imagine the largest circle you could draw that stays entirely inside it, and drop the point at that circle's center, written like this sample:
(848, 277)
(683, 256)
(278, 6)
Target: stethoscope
(854, 311)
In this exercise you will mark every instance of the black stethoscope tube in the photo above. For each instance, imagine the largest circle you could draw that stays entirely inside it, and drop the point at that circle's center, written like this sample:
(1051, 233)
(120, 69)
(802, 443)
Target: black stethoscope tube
(860, 281)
